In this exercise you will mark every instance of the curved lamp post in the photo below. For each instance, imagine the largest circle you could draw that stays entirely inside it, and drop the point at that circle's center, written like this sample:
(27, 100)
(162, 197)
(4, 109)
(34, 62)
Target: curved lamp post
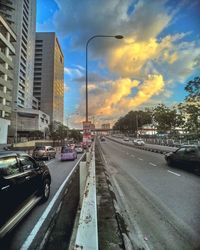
(86, 67)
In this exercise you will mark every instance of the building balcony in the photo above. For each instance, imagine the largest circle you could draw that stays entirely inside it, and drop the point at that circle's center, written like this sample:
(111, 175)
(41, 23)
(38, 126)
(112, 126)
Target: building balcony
(7, 96)
(5, 108)
(4, 71)
(5, 59)
(8, 84)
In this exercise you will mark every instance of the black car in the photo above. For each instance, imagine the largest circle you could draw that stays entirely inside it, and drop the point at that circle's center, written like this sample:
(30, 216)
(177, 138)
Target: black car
(23, 183)
(187, 156)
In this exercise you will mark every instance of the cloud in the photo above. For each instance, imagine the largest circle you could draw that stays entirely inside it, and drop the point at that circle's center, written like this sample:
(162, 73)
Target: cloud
(153, 85)
(66, 88)
(92, 77)
(75, 72)
(144, 65)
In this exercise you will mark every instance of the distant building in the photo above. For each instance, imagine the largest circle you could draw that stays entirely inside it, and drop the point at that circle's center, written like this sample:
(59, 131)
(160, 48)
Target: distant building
(147, 129)
(105, 126)
(7, 50)
(30, 120)
(49, 75)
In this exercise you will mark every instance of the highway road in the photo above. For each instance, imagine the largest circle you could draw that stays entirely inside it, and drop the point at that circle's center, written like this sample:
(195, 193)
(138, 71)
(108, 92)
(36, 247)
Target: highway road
(59, 171)
(160, 205)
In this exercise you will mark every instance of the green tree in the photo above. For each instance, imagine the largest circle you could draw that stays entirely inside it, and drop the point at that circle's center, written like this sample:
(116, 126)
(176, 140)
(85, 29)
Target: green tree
(57, 131)
(167, 119)
(76, 135)
(133, 120)
(191, 107)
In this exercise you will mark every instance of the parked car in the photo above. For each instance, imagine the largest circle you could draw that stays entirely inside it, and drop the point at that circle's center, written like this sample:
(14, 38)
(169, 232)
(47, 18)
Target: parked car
(68, 153)
(139, 142)
(44, 153)
(79, 148)
(23, 183)
(188, 156)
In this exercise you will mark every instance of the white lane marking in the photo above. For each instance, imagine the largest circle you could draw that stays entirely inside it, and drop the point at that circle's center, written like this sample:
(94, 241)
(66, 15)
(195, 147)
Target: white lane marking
(140, 159)
(52, 161)
(133, 155)
(173, 173)
(152, 164)
(27, 243)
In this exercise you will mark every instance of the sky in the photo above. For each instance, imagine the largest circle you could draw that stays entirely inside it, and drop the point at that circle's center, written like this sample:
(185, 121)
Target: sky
(159, 54)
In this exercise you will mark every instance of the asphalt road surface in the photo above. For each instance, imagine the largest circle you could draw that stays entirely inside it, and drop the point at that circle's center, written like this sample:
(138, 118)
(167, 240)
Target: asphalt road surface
(59, 171)
(160, 205)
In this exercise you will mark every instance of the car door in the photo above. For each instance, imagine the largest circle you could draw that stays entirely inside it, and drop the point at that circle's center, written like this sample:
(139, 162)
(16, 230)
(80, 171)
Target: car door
(179, 156)
(31, 173)
(191, 156)
(11, 187)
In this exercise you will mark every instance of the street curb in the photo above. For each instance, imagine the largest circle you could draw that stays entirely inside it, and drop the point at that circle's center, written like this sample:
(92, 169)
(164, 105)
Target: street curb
(124, 230)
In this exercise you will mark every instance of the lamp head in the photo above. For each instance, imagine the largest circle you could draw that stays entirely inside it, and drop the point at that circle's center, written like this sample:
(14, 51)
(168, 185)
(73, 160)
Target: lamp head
(119, 37)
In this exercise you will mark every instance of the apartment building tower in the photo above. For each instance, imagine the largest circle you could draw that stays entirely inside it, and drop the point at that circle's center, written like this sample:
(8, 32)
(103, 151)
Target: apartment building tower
(6, 10)
(24, 25)
(7, 50)
(49, 75)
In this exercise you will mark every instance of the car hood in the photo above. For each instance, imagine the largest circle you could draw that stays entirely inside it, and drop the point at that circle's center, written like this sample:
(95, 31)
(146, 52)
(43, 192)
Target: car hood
(169, 154)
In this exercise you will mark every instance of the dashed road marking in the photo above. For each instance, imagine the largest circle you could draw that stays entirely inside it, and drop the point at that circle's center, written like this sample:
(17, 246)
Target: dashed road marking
(140, 159)
(173, 173)
(152, 164)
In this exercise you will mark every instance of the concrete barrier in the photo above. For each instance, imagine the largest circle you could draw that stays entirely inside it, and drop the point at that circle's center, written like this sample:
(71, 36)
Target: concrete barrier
(87, 233)
(147, 148)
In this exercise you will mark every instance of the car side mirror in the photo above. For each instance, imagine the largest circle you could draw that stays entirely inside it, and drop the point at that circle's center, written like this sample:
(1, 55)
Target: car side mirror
(40, 164)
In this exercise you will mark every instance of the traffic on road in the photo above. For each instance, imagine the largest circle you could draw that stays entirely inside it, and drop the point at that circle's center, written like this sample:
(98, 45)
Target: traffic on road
(160, 204)
(27, 189)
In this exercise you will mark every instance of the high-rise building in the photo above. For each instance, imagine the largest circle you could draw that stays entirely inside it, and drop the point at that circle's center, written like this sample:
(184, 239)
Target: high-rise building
(21, 16)
(49, 75)
(24, 25)
(6, 10)
(7, 50)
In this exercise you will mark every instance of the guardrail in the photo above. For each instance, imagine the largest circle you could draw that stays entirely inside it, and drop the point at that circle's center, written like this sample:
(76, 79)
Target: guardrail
(147, 148)
(87, 232)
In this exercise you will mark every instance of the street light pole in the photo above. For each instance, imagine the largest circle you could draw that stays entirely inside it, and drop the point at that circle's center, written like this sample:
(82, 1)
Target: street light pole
(86, 68)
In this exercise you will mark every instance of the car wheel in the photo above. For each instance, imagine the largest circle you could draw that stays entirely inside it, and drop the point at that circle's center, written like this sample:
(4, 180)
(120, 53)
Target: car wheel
(45, 192)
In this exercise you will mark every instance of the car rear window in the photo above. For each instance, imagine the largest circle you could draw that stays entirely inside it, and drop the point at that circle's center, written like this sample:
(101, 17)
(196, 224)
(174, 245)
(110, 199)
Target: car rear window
(66, 150)
(40, 148)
